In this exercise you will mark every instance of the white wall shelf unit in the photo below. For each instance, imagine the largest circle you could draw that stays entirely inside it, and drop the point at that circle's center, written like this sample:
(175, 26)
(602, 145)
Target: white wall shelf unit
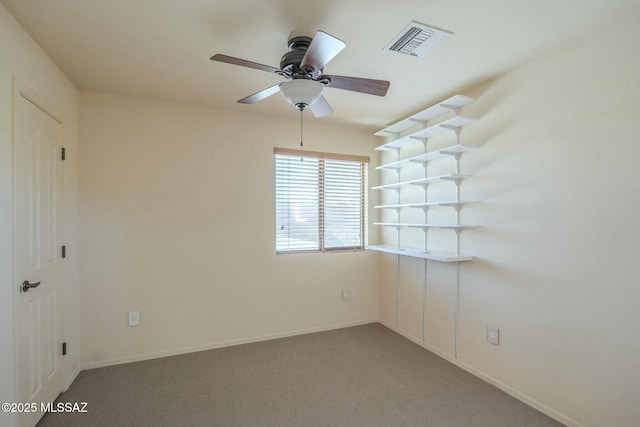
(454, 151)
(412, 130)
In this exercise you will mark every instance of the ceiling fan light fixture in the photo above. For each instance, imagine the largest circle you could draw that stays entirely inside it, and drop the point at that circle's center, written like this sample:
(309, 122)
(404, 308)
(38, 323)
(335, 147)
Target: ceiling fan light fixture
(301, 93)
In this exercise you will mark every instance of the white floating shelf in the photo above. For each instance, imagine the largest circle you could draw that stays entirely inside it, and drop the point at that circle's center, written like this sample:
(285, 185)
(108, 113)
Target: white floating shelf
(429, 180)
(448, 105)
(419, 253)
(449, 151)
(429, 204)
(421, 181)
(398, 206)
(404, 224)
(427, 157)
(421, 205)
(426, 133)
(446, 226)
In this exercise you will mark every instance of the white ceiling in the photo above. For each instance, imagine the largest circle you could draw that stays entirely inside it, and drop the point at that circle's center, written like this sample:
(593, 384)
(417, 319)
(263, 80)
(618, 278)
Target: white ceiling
(160, 48)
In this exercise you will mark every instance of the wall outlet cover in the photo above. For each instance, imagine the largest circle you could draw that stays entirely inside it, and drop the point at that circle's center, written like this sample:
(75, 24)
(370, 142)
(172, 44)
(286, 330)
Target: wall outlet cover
(134, 318)
(493, 334)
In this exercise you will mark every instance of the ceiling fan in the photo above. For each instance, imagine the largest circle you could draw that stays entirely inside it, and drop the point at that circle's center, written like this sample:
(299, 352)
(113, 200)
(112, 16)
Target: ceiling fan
(302, 66)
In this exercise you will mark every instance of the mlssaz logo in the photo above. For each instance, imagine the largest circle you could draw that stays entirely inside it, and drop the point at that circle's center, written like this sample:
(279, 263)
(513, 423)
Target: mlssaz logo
(64, 407)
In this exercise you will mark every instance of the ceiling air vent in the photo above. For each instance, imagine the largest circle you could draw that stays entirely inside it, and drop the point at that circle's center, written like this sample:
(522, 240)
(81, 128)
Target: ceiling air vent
(417, 40)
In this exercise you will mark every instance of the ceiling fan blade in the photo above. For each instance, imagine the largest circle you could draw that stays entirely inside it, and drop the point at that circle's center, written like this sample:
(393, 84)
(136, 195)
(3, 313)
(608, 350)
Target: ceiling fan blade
(237, 61)
(321, 107)
(357, 84)
(323, 48)
(259, 96)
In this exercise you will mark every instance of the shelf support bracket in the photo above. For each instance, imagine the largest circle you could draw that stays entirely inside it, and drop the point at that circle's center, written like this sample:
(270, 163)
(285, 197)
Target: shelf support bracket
(422, 122)
(454, 108)
(391, 133)
(456, 129)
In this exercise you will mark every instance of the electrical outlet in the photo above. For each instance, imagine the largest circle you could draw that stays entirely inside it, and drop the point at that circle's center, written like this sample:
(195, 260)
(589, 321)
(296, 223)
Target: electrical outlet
(493, 335)
(134, 318)
(346, 295)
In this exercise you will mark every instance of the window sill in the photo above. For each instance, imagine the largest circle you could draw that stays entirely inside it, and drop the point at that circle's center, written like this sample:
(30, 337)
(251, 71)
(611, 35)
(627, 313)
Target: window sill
(332, 251)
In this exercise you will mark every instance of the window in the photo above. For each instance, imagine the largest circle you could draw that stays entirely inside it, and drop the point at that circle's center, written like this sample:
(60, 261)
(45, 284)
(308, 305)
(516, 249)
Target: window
(321, 201)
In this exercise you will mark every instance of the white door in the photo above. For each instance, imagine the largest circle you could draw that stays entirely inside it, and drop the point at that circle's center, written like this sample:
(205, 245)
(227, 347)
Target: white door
(38, 195)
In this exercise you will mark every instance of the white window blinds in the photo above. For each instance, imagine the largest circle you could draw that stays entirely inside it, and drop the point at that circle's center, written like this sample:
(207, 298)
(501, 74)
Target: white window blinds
(321, 201)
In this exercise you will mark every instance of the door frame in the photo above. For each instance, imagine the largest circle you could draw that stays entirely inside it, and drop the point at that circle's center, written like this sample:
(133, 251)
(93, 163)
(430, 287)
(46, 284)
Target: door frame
(20, 89)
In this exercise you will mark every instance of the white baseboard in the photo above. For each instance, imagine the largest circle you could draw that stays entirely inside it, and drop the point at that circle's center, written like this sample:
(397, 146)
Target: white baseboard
(483, 376)
(212, 346)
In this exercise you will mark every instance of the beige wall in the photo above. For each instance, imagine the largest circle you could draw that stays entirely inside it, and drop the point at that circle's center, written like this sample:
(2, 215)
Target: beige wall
(556, 269)
(22, 58)
(178, 221)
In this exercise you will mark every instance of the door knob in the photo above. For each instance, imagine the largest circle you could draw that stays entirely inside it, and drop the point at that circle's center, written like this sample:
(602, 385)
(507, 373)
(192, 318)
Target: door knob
(26, 285)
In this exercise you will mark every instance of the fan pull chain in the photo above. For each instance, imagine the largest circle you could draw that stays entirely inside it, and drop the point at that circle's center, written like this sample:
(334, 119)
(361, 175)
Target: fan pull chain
(301, 144)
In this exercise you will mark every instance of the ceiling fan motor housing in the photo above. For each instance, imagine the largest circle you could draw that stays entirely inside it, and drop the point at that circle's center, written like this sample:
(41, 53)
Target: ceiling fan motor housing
(290, 61)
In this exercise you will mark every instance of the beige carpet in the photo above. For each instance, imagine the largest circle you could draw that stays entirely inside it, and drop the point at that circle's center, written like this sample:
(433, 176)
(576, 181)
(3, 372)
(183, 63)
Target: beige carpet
(360, 376)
